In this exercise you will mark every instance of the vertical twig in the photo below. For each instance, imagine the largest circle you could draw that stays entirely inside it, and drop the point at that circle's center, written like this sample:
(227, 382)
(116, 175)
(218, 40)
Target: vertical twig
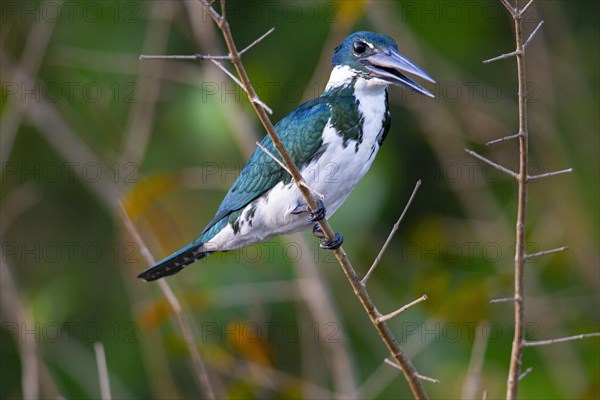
(512, 385)
(102, 371)
(14, 310)
(523, 178)
(471, 385)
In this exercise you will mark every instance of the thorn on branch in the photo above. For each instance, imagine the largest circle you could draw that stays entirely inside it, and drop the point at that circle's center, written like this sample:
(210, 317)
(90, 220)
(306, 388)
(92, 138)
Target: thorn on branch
(504, 300)
(391, 315)
(263, 105)
(193, 57)
(505, 138)
(543, 253)
(264, 35)
(525, 373)
(212, 12)
(282, 165)
(534, 31)
(427, 378)
(503, 56)
(532, 343)
(493, 164)
(391, 235)
(510, 8)
(524, 9)
(240, 84)
(549, 174)
(516, 52)
(419, 376)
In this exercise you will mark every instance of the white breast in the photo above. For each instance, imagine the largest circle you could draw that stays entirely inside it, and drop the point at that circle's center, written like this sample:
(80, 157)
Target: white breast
(341, 167)
(334, 175)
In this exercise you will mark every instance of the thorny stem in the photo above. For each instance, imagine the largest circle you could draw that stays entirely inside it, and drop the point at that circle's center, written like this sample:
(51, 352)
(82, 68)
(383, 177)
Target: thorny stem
(523, 178)
(403, 361)
(512, 386)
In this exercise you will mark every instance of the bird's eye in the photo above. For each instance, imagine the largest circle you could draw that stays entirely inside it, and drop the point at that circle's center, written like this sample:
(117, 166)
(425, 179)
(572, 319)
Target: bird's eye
(359, 47)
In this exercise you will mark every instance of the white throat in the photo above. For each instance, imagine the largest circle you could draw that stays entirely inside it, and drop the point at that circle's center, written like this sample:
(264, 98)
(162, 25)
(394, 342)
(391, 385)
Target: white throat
(342, 75)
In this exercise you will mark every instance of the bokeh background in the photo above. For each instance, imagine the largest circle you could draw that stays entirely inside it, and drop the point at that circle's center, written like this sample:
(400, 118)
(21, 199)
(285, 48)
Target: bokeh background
(86, 125)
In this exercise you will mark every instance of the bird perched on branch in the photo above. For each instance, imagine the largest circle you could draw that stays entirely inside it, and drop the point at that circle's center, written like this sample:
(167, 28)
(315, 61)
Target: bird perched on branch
(333, 140)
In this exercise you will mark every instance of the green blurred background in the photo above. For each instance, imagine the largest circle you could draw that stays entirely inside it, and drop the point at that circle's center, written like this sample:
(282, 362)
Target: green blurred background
(85, 125)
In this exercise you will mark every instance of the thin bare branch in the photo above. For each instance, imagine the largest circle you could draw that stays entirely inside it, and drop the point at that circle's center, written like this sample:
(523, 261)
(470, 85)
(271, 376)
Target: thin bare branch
(282, 165)
(13, 309)
(549, 174)
(543, 253)
(473, 379)
(427, 378)
(391, 315)
(509, 7)
(525, 373)
(524, 9)
(253, 99)
(401, 358)
(503, 139)
(102, 371)
(502, 56)
(419, 376)
(504, 300)
(260, 39)
(201, 372)
(514, 375)
(213, 13)
(537, 28)
(193, 57)
(531, 343)
(391, 235)
(493, 164)
(198, 56)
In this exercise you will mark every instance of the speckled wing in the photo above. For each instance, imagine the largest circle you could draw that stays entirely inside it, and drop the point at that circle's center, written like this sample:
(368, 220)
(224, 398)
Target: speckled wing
(301, 132)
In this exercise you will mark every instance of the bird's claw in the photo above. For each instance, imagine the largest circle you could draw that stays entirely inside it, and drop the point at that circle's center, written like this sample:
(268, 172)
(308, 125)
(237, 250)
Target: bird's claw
(332, 244)
(314, 215)
(318, 232)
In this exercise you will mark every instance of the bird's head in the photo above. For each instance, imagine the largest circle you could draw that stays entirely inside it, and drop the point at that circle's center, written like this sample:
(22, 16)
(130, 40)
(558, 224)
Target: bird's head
(371, 56)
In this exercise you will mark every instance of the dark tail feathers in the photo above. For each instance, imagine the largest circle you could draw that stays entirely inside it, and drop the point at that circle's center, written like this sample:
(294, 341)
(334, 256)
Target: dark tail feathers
(175, 262)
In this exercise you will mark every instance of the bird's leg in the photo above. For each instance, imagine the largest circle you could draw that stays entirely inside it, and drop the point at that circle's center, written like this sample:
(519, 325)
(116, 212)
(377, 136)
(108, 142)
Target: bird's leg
(318, 232)
(318, 215)
(332, 244)
(315, 215)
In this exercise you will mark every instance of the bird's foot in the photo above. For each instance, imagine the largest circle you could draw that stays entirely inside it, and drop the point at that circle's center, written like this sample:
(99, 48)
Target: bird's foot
(314, 215)
(318, 232)
(332, 244)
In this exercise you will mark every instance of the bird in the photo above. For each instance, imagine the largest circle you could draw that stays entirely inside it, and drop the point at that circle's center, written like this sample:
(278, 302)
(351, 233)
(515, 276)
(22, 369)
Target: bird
(333, 139)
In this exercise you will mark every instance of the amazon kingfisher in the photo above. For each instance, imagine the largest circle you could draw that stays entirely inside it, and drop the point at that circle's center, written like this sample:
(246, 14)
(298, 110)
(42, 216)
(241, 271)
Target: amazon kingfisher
(340, 131)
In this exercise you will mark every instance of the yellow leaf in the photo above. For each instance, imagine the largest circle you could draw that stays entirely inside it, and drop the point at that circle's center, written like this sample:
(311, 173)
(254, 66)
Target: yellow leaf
(146, 191)
(248, 338)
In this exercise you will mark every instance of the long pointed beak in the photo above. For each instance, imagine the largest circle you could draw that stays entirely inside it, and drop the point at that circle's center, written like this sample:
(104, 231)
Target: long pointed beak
(392, 65)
